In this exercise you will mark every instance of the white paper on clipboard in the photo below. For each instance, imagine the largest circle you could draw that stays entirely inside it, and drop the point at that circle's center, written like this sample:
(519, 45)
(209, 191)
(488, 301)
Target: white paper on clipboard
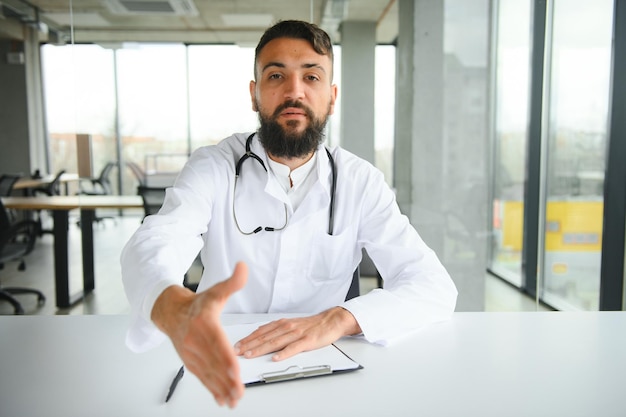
(262, 369)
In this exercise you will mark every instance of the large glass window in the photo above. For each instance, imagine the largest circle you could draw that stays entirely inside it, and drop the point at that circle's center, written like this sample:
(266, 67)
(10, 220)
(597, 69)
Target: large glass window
(578, 111)
(511, 122)
(80, 98)
(152, 91)
(165, 100)
(219, 77)
(385, 109)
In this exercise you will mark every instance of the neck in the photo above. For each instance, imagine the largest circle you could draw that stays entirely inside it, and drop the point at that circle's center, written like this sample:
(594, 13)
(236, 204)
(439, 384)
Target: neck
(292, 163)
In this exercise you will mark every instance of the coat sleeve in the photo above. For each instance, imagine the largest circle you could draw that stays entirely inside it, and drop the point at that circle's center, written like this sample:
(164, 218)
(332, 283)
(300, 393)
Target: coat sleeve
(162, 249)
(417, 288)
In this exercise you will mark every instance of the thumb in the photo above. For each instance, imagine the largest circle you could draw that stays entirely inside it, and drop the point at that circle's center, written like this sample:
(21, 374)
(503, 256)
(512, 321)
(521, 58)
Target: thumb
(236, 282)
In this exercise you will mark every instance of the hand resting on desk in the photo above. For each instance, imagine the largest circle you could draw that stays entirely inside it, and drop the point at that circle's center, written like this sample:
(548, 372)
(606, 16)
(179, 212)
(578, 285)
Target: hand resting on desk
(288, 337)
(192, 321)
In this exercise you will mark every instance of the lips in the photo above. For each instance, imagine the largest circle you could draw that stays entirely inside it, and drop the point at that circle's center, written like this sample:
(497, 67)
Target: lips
(292, 111)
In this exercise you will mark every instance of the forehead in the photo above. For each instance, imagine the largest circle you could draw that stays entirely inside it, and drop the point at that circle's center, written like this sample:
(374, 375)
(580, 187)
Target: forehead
(291, 52)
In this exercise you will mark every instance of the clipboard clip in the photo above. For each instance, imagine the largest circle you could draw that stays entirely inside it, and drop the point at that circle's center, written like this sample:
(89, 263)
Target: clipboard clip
(296, 372)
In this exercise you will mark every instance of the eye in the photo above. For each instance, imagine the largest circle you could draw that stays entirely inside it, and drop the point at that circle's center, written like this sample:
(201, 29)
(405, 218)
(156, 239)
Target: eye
(274, 77)
(312, 78)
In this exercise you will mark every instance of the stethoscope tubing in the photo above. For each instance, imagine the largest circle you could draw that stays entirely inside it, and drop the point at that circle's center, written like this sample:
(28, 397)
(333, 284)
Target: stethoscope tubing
(333, 187)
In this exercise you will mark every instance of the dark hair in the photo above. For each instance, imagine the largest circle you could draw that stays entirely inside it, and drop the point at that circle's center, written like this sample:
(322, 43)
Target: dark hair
(297, 29)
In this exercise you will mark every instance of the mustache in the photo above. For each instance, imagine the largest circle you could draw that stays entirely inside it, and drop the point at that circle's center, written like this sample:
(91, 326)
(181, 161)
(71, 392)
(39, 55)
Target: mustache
(293, 104)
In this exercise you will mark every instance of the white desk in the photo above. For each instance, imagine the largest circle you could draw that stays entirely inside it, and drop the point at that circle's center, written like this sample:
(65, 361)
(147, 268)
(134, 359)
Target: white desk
(477, 364)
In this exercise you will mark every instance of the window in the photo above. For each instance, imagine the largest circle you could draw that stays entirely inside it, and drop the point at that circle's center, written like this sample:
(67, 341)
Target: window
(511, 120)
(578, 113)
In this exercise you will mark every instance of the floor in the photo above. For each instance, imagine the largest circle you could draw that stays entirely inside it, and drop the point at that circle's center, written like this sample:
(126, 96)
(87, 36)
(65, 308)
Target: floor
(109, 298)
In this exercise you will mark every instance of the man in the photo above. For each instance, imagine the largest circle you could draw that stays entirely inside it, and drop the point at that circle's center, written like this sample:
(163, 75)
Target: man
(280, 222)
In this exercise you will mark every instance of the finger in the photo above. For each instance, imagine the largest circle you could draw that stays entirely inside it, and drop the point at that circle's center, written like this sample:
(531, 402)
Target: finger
(271, 343)
(233, 284)
(221, 380)
(259, 336)
(292, 349)
(216, 364)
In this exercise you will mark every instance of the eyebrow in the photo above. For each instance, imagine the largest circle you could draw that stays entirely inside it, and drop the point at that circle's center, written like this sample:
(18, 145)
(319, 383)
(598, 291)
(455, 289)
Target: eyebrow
(281, 65)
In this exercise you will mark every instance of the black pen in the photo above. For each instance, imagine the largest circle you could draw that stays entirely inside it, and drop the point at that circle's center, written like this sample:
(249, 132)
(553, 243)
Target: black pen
(177, 378)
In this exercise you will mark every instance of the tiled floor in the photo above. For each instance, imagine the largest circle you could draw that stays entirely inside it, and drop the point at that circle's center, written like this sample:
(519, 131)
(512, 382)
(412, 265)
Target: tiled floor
(109, 298)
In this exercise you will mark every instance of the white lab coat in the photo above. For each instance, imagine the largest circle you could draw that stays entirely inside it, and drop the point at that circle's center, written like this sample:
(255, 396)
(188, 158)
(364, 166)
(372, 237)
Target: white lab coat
(300, 269)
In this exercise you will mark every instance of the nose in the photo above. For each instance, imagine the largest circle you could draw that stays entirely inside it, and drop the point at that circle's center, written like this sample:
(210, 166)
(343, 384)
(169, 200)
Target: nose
(294, 89)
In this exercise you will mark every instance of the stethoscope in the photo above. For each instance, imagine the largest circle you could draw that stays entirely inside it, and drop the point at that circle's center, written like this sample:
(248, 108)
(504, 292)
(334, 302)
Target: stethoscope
(250, 154)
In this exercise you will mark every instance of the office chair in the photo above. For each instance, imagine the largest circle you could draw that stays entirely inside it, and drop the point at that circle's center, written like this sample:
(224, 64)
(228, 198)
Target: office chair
(7, 181)
(152, 198)
(354, 290)
(51, 189)
(367, 268)
(16, 241)
(100, 185)
(139, 173)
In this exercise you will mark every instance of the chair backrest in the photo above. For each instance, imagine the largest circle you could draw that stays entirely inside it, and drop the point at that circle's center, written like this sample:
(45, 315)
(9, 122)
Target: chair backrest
(7, 181)
(152, 198)
(354, 290)
(137, 172)
(53, 187)
(16, 239)
(103, 178)
(5, 220)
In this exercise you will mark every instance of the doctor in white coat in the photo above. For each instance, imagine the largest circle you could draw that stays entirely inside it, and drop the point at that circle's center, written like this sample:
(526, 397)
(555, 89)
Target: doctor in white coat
(280, 222)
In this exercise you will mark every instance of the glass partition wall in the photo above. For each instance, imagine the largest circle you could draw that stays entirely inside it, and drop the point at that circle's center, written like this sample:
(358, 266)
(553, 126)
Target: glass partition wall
(575, 84)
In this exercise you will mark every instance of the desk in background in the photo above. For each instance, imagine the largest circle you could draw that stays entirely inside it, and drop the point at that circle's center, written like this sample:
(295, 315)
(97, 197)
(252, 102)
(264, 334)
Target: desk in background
(478, 364)
(26, 183)
(60, 207)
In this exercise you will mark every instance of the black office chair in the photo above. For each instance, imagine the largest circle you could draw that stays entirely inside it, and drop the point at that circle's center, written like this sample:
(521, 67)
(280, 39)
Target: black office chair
(51, 189)
(100, 185)
(367, 268)
(16, 241)
(152, 197)
(7, 181)
(354, 290)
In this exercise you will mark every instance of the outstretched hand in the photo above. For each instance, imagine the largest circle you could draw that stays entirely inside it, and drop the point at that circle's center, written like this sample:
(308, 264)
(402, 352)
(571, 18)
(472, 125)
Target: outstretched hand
(192, 321)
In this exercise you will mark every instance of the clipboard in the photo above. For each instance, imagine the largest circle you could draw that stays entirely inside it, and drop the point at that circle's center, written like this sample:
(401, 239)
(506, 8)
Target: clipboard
(329, 360)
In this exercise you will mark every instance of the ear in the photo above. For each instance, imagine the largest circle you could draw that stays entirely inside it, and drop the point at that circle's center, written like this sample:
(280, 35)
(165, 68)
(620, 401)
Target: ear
(253, 95)
(333, 97)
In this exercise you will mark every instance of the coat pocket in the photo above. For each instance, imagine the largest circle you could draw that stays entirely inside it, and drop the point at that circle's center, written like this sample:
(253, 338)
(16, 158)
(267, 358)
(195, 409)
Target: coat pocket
(330, 258)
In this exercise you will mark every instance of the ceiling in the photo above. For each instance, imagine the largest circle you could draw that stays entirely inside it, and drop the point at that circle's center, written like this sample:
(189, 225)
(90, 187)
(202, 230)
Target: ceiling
(193, 21)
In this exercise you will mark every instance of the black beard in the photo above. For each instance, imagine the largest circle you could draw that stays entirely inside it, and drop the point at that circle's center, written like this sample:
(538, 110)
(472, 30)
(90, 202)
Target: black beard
(281, 142)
